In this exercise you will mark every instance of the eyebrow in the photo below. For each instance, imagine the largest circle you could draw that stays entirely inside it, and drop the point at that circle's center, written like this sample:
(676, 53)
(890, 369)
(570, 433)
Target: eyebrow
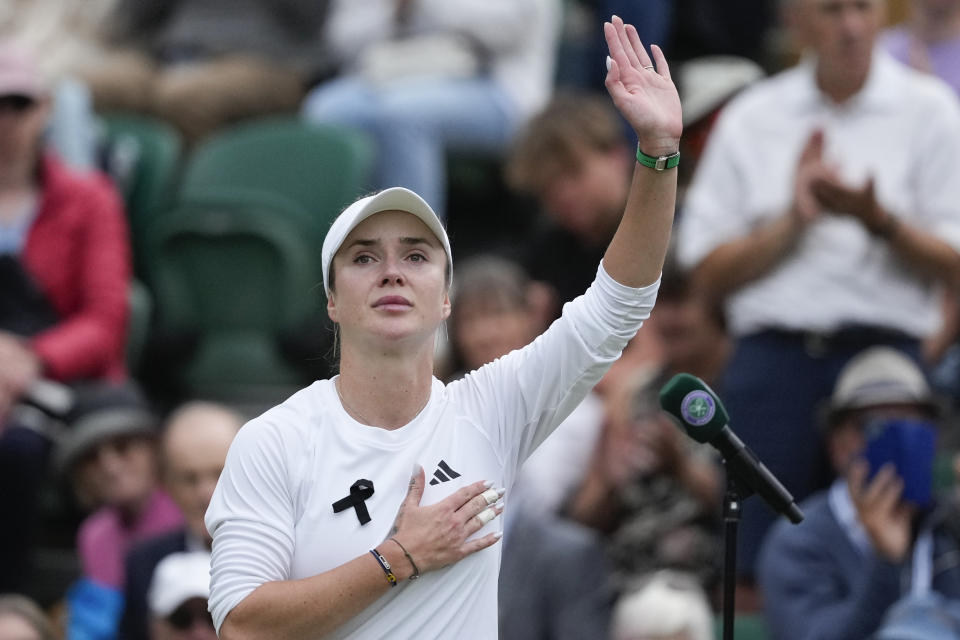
(407, 240)
(417, 240)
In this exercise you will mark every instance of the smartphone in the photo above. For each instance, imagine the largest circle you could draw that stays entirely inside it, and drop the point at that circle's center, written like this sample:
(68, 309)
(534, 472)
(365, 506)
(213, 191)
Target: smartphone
(910, 446)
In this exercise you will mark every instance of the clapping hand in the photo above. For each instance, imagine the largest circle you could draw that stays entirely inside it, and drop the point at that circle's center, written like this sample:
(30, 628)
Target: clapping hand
(811, 170)
(860, 203)
(643, 91)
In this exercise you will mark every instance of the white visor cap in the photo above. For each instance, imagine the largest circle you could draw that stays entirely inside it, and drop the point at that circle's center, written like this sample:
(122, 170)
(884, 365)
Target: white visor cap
(392, 199)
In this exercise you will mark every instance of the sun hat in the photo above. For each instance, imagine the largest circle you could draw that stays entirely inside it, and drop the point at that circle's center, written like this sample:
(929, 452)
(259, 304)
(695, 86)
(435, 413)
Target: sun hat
(879, 376)
(393, 199)
(100, 415)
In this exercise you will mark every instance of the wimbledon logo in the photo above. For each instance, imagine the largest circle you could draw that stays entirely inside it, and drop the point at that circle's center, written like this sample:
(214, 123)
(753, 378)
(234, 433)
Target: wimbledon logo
(698, 408)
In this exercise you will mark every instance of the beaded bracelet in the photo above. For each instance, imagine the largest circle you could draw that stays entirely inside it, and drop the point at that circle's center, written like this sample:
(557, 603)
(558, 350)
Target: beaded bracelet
(392, 579)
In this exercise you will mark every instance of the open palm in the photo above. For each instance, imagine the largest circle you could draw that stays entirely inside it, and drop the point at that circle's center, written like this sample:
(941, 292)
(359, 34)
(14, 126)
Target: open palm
(644, 93)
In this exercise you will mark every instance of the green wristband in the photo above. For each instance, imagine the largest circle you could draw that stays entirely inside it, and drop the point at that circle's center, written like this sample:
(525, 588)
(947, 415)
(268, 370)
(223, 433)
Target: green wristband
(660, 163)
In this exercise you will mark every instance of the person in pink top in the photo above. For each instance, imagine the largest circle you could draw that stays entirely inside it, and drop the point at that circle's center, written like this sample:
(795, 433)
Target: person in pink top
(111, 459)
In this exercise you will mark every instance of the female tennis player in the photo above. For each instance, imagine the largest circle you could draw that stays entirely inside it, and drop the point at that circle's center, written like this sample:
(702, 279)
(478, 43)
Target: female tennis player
(366, 506)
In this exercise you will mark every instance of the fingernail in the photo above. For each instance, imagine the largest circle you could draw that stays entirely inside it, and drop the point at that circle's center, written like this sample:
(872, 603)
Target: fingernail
(499, 505)
(488, 484)
(501, 491)
(615, 17)
(416, 470)
(498, 535)
(609, 62)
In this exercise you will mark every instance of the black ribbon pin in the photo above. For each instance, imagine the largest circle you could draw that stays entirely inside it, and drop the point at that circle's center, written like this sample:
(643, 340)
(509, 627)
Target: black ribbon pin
(360, 491)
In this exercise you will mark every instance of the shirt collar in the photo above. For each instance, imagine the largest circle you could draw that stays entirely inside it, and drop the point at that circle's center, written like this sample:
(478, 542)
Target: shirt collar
(881, 90)
(846, 514)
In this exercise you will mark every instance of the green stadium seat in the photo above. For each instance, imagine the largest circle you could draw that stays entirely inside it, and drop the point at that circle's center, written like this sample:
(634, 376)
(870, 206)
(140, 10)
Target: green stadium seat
(746, 626)
(236, 261)
(317, 167)
(236, 270)
(143, 155)
(141, 310)
(944, 477)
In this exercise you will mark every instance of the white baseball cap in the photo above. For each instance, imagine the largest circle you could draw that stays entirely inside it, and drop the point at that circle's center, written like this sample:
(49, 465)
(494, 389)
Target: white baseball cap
(393, 199)
(178, 578)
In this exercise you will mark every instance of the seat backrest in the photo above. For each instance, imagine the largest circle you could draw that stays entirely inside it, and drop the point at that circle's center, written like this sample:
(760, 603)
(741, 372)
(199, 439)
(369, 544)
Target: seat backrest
(141, 310)
(227, 261)
(143, 156)
(238, 271)
(320, 168)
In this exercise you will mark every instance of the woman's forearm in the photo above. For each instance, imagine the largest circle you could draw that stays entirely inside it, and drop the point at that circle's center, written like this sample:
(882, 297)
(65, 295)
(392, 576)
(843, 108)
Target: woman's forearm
(636, 253)
(313, 607)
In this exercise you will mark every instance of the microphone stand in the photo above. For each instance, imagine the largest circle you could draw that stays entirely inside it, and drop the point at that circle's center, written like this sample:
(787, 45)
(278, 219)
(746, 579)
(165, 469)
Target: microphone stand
(733, 498)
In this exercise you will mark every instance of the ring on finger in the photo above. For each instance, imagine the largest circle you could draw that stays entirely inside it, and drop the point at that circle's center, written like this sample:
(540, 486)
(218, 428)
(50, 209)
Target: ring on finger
(649, 66)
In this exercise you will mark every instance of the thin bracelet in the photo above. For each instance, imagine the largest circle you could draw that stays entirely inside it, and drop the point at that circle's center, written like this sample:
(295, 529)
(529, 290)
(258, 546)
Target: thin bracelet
(416, 570)
(392, 579)
(889, 228)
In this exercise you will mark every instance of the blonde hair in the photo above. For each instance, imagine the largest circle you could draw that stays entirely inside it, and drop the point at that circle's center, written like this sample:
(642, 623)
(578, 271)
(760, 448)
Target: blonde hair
(559, 135)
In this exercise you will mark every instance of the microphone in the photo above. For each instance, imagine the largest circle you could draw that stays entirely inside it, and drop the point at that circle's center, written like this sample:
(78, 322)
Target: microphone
(698, 410)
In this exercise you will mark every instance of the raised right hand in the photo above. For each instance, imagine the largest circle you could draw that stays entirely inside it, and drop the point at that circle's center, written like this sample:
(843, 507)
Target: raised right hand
(885, 517)
(436, 536)
(643, 91)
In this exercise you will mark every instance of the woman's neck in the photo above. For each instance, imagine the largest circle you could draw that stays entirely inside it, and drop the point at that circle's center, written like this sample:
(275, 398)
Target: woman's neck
(386, 391)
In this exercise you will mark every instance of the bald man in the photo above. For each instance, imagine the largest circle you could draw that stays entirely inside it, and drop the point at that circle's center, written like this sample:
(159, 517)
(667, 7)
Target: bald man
(194, 448)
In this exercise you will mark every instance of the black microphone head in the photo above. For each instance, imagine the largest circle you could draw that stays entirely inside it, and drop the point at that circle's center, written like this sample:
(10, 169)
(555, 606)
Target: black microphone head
(695, 406)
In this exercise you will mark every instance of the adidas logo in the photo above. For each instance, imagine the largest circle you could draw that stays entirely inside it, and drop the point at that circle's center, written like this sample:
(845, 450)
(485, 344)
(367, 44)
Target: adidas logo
(443, 473)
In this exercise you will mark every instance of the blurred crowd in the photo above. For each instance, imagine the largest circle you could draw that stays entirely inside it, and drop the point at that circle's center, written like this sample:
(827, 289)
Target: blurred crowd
(168, 169)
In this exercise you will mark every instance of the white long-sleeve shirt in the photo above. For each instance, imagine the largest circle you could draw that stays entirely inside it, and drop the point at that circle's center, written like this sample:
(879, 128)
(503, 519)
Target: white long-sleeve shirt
(272, 518)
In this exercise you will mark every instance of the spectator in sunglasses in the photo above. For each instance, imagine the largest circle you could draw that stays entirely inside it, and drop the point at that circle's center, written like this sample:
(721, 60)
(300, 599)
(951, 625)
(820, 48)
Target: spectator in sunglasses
(178, 598)
(64, 280)
(111, 459)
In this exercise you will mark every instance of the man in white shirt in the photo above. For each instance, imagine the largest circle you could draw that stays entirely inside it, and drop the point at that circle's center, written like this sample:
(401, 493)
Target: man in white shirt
(826, 213)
